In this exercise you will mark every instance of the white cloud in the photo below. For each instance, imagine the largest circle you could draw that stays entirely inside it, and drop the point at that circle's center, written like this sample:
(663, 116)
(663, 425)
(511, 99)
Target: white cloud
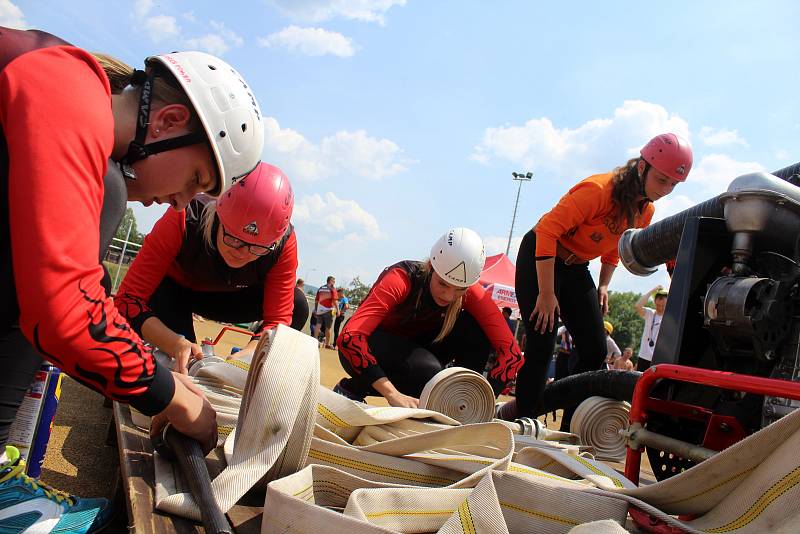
(310, 42)
(217, 42)
(142, 7)
(715, 171)
(672, 204)
(342, 220)
(211, 43)
(721, 137)
(321, 10)
(363, 155)
(11, 15)
(577, 152)
(161, 27)
(344, 153)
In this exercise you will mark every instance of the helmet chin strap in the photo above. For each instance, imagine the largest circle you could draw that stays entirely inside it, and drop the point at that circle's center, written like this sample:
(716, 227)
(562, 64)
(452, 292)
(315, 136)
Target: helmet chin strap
(137, 149)
(643, 180)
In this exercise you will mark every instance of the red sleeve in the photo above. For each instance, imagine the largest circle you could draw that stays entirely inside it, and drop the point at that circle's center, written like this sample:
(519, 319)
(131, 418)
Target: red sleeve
(160, 248)
(580, 204)
(480, 305)
(279, 287)
(55, 110)
(389, 291)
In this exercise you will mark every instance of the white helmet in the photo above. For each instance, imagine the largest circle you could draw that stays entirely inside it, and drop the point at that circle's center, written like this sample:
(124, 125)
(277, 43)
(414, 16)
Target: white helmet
(226, 107)
(458, 257)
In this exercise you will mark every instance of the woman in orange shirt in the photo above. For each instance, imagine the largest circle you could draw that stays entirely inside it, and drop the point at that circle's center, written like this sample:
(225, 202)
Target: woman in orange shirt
(553, 279)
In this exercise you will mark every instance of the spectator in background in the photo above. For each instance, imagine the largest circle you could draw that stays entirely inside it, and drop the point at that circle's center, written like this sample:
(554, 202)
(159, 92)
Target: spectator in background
(652, 324)
(300, 313)
(623, 363)
(344, 305)
(325, 305)
(512, 325)
(612, 349)
(563, 353)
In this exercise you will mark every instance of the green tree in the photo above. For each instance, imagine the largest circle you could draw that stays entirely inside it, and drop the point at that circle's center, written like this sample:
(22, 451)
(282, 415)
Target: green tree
(122, 230)
(628, 325)
(357, 291)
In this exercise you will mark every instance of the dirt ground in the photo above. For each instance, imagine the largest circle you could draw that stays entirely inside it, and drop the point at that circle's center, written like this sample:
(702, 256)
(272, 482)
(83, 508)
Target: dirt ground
(80, 461)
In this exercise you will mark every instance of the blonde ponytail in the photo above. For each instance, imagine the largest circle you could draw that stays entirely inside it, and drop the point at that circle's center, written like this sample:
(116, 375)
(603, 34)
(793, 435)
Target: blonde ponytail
(451, 315)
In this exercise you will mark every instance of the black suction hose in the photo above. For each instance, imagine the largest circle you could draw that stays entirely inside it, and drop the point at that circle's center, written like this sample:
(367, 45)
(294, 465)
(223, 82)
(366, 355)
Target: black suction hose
(658, 243)
(575, 389)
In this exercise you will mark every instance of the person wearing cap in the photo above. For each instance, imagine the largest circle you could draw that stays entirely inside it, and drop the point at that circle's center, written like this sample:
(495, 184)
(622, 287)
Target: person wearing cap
(612, 350)
(552, 277)
(233, 259)
(78, 135)
(652, 324)
(419, 317)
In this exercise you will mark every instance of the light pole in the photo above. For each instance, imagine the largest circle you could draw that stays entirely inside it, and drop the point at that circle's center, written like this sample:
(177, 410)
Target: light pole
(520, 177)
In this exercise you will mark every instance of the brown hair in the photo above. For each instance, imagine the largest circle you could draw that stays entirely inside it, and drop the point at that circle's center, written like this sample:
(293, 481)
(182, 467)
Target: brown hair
(166, 89)
(627, 193)
(453, 309)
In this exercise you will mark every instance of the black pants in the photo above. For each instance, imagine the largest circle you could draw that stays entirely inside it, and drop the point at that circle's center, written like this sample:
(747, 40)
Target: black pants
(337, 324)
(174, 304)
(643, 365)
(580, 312)
(19, 362)
(409, 365)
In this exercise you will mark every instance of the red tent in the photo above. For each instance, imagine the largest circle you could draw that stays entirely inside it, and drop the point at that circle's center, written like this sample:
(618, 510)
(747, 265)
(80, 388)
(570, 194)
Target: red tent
(497, 278)
(498, 269)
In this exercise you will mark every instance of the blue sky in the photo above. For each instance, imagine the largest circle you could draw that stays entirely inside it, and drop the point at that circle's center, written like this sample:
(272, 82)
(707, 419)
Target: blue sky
(397, 119)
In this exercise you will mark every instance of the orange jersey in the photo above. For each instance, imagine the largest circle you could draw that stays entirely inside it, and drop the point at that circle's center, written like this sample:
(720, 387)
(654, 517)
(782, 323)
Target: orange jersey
(584, 222)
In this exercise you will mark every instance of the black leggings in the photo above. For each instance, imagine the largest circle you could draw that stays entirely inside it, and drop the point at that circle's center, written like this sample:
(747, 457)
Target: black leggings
(579, 310)
(337, 324)
(174, 304)
(19, 361)
(409, 365)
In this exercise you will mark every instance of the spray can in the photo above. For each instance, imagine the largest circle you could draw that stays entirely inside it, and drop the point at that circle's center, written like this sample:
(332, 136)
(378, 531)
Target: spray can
(30, 432)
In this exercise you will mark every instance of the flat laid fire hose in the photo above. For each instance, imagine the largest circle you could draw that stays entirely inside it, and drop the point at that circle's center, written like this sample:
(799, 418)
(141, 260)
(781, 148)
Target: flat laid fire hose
(420, 470)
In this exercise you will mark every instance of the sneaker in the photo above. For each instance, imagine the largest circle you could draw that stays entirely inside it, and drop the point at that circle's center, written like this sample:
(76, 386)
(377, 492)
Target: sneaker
(27, 505)
(344, 392)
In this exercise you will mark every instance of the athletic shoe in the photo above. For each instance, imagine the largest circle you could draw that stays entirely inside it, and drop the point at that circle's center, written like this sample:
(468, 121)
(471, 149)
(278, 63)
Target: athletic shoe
(27, 505)
(344, 392)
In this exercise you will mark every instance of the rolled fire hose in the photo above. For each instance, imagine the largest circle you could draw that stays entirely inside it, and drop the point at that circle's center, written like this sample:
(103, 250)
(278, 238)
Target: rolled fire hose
(460, 393)
(599, 422)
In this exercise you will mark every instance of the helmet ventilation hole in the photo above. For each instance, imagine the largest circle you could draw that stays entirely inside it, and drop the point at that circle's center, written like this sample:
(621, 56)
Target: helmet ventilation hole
(244, 127)
(222, 133)
(212, 67)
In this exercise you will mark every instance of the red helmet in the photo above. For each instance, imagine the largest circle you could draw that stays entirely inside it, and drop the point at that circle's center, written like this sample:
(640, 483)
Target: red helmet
(670, 154)
(257, 208)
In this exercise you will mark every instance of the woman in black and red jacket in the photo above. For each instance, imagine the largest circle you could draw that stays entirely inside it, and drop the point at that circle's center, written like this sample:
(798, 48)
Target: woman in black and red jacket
(78, 131)
(421, 316)
(233, 260)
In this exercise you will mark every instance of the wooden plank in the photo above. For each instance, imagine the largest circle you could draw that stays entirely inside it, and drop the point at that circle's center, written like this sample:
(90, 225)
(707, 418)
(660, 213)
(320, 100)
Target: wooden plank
(137, 474)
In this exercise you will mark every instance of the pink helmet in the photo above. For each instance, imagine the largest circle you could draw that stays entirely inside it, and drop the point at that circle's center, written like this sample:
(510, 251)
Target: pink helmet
(257, 208)
(669, 154)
